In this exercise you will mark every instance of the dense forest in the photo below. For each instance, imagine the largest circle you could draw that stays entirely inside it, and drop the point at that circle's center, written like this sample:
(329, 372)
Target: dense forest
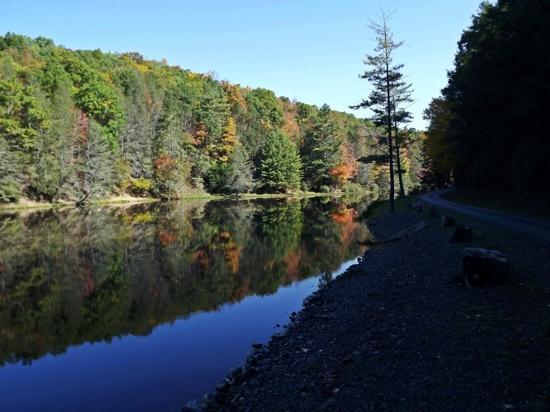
(78, 125)
(487, 130)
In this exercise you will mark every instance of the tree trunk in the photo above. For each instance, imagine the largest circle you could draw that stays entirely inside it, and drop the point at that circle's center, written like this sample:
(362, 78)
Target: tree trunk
(398, 153)
(389, 115)
(399, 171)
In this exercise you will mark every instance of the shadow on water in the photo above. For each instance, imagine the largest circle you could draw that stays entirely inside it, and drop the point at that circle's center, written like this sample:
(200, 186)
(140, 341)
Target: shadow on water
(147, 306)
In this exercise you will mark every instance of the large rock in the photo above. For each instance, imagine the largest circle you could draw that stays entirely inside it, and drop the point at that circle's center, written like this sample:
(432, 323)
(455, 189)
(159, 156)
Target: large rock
(484, 266)
(462, 233)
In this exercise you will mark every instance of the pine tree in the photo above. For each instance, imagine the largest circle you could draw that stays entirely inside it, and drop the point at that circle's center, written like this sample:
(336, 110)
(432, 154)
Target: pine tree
(384, 77)
(321, 151)
(280, 164)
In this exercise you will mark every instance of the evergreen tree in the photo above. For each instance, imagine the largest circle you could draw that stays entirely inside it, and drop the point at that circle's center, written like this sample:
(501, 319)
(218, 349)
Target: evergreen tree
(321, 151)
(280, 164)
(384, 77)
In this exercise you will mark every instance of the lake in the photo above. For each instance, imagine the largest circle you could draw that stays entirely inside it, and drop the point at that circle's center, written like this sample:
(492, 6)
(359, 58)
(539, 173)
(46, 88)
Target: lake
(148, 306)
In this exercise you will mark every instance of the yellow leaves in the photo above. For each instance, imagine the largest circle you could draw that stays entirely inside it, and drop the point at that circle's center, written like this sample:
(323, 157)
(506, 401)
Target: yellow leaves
(234, 96)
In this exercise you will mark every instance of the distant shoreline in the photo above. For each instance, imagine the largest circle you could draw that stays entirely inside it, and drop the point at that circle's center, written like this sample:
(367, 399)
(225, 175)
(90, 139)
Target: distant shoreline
(26, 204)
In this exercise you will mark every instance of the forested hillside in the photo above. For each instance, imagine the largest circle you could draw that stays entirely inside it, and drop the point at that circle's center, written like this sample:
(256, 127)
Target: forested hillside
(489, 130)
(78, 125)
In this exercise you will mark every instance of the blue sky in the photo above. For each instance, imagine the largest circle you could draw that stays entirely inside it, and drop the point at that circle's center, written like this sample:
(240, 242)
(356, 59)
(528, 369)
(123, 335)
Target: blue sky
(310, 50)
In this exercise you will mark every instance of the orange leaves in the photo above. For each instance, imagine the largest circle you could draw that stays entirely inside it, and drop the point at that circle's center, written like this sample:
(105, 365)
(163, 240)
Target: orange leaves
(166, 238)
(200, 136)
(342, 216)
(345, 170)
(165, 162)
(347, 219)
(290, 125)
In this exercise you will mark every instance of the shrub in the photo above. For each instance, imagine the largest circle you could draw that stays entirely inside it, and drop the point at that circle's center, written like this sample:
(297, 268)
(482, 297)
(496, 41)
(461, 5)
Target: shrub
(139, 186)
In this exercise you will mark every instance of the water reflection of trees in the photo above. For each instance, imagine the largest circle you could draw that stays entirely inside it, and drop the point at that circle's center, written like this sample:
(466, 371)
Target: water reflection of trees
(68, 277)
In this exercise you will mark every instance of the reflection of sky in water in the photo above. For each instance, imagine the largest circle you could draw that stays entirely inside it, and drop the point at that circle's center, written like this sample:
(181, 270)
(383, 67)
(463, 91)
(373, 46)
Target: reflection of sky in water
(177, 362)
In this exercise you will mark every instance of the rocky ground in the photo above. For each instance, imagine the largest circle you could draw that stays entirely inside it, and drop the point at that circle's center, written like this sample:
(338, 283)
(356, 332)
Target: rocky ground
(400, 331)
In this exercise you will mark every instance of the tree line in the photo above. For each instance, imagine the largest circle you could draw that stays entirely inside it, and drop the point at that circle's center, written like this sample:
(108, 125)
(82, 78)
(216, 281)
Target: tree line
(77, 125)
(487, 129)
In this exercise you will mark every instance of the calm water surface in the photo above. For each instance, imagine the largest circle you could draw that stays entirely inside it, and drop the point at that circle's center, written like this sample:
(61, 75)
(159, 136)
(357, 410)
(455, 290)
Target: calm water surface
(146, 307)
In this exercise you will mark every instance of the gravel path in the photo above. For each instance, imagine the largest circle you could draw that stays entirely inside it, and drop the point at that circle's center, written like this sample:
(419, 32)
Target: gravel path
(399, 331)
(539, 229)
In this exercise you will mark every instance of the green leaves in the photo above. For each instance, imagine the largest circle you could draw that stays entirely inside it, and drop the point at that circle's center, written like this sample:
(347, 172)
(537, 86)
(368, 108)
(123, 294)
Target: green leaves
(280, 164)
(321, 151)
(75, 124)
(95, 97)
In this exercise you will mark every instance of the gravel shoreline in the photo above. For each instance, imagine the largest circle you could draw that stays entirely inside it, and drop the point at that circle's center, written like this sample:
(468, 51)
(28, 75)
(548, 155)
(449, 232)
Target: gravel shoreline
(400, 331)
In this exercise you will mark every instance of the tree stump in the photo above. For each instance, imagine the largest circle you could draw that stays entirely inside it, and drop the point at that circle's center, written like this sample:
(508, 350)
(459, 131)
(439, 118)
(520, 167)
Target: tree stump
(484, 266)
(463, 233)
(447, 221)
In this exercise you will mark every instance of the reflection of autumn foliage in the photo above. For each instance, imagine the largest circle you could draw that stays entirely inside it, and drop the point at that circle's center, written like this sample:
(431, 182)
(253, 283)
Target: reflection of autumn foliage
(201, 257)
(224, 253)
(293, 265)
(242, 291)
(342, 215)
(87, 279)
(232, 256)
(346, 218)
(166, 238)
(232, 251)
